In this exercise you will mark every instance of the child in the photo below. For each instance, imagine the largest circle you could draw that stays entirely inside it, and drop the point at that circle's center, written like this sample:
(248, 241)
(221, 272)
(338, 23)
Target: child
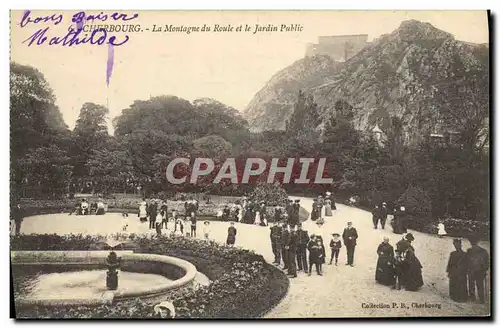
(179, 227)
(84, 207)
(206, 229)
(193, 225)
(231, 235)
(441, 229)
(158, 228)
(159, 219)
(335, 246)
(316, 256)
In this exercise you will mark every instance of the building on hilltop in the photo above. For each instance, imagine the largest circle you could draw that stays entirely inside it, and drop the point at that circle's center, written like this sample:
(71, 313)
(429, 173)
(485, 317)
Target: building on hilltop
(339, 47)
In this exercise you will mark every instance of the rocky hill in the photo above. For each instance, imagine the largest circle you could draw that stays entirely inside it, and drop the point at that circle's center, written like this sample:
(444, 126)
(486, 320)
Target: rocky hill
(404, 74)
(273, 104)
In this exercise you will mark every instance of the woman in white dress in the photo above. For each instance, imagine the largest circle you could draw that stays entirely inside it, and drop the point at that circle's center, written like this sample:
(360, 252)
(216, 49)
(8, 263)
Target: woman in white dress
(143, 212)
(257, 218)
(240, 212)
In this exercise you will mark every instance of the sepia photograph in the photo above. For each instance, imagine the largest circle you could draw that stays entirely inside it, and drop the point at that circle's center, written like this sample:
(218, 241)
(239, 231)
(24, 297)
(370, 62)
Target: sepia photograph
(271, 164)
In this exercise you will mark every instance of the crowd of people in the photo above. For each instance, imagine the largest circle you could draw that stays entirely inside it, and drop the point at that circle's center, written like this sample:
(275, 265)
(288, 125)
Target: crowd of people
(296, 250)
(83, 207)
(401, 268)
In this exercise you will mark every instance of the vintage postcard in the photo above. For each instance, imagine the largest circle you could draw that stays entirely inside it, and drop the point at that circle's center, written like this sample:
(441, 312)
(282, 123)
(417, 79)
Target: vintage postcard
(250, 164)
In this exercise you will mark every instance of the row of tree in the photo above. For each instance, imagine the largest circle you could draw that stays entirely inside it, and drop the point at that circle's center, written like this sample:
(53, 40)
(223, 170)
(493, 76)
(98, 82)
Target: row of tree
(49, 160)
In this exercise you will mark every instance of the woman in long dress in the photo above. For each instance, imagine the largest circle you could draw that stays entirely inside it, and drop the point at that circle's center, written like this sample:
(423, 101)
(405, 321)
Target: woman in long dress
(384, 273)
(328, 207)
(143, 212)
(411, 267)
(257, 219)
(457, 272)
(314, 212)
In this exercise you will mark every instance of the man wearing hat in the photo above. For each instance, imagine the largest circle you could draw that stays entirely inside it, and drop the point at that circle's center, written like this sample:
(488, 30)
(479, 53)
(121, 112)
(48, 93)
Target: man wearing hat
(383, 214)
(376, 215)
(289, 209)
(295, 213)
(302, 241)
(292, 253)
(276, 241)
(478, 263)
(262, 211)
(285, 240)
(350, 236)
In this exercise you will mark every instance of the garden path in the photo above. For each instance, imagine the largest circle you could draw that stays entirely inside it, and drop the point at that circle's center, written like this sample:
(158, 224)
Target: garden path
(342, 290)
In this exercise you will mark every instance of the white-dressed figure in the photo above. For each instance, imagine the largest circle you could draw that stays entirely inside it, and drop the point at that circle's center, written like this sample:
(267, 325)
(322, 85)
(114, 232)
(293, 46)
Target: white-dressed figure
(257, 218)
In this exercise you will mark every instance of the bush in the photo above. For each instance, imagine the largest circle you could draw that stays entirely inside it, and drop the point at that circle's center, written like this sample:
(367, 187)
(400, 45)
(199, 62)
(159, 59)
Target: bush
(416, 201)
(272, 194)
(243, 284)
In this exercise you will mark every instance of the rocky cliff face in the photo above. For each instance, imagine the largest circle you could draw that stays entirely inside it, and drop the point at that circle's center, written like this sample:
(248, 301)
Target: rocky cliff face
(273, 104)
(399, 74)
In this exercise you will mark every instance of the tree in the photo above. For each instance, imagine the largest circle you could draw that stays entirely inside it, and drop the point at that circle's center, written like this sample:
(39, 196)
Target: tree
(110, 170)
(464, 99)
(212, 146)
(395, 139)
(302, 127)
(90, 133)
(35, 121)
(47, 169)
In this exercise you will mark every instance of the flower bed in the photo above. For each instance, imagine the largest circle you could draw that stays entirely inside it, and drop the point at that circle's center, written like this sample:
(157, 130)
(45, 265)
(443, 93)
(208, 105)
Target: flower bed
(243, 284)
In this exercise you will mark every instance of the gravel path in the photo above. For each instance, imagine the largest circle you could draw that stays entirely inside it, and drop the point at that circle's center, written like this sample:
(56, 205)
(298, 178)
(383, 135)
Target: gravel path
(342, 291)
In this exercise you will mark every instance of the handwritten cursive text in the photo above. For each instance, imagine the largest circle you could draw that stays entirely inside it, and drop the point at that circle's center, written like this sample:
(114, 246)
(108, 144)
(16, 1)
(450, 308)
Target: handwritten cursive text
(73, 37)
(55, 18)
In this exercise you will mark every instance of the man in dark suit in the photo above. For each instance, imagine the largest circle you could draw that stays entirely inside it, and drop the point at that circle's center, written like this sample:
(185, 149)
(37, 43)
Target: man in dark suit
(478, 262)
(295, 212)
(289, 210)
(276, 241)
(376, 215)
(285, 240)
(350, 235)
(383, 214)
(302, 241)
(152, 211)
(292, 253)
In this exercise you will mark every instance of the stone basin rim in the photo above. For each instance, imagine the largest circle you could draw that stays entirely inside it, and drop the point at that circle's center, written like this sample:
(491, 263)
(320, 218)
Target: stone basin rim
(61, 258)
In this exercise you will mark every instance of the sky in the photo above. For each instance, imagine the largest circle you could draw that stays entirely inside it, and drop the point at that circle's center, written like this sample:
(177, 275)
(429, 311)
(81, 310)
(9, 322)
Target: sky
(228, 66)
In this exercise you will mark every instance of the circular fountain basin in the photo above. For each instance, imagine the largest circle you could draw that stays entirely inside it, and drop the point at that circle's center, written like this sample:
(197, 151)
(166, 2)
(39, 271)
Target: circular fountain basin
(87, 284)
(79, 277)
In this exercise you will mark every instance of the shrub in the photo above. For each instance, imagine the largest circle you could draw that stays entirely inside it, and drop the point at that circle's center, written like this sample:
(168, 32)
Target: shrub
(243, 284)
(418, 207)
(272, 194)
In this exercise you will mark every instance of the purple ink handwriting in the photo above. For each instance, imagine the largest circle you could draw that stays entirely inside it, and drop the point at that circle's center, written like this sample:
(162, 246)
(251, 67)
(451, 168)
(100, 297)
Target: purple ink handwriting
(54, 18)
(81, 16)
(74, 36)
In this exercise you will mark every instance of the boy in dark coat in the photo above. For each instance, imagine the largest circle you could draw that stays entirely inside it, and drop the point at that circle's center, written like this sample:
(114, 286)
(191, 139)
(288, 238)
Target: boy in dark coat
(316, 255)
(335, 246)
(231, 235)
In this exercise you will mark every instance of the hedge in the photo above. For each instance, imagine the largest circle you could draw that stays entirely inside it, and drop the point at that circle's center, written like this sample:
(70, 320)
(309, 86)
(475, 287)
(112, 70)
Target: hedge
(243, 284)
